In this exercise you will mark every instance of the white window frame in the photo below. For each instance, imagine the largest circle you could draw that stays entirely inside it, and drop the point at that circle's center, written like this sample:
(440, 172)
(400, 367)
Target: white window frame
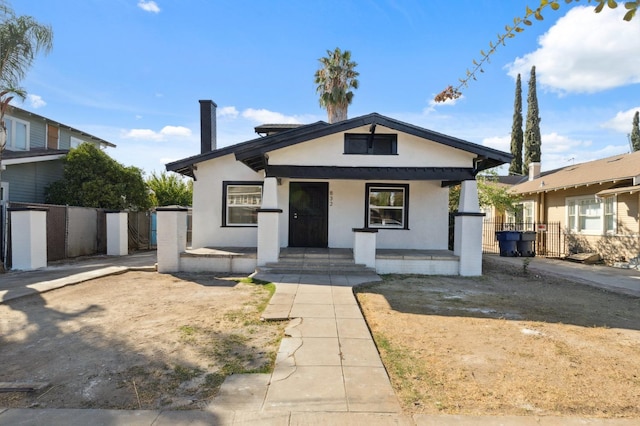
(404, 208)
(75, 142)
(4, 192)
(525, 215)
(575, 216)
(612, 201)
(10, 123)
(246, 202)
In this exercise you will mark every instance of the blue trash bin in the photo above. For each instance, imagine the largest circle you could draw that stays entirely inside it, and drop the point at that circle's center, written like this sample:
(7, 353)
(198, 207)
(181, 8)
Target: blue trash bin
(526, 244)
(508, 243)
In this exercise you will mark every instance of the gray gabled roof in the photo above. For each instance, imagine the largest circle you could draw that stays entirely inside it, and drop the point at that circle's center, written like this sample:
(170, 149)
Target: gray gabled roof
(63, 126)
(252, 153)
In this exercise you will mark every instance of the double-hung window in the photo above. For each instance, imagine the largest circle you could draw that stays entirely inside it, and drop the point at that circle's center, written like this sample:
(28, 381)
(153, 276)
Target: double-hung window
(610, 215)
(241, 201)
(523, 217)
(17, 134)
(591, 215)
(387, 206)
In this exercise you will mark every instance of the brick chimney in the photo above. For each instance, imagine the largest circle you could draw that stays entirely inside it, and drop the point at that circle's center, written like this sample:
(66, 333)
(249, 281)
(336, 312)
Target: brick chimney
(534, 171)
(207, 126)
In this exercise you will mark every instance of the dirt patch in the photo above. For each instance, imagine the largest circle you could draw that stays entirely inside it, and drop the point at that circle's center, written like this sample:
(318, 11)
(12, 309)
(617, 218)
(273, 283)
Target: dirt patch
(507, 343)
(137, 340)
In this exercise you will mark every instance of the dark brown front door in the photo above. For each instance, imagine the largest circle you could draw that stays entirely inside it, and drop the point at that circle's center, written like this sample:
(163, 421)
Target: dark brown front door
(308, 214)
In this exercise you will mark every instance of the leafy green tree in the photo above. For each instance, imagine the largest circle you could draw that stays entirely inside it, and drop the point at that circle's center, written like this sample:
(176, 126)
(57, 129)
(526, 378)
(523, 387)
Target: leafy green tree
(93, 179)
(335, 79)
(490, 194)
(515, 168)
(532, 140)
(170, 189)
(518, 26)
(21, 39)
(635, 132)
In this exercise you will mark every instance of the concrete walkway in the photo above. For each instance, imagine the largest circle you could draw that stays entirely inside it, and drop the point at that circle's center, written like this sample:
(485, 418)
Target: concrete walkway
(328, 361)
(328, 371)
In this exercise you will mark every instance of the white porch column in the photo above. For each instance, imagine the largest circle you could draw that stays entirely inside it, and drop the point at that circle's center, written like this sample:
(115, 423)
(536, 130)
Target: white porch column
(117, 233)
(172, 237)
(364, 246)
(467, 243)
(269, 223)
(28, 238)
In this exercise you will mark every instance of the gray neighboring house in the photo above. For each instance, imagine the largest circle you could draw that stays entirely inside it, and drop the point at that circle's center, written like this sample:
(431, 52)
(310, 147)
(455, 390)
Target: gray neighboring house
(33, 156)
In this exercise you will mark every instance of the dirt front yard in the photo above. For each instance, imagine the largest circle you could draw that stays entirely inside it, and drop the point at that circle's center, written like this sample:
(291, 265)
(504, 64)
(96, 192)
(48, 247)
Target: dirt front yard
(507, 343)
(137, 340)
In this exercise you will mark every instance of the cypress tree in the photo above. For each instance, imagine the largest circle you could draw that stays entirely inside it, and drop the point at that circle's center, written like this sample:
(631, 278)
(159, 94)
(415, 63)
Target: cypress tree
(516, 132)
(635, 133)
(532, 142)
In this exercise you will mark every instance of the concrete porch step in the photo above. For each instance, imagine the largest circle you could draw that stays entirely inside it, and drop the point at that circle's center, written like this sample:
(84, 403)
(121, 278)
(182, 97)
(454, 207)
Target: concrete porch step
(280, 270)
(293, 260)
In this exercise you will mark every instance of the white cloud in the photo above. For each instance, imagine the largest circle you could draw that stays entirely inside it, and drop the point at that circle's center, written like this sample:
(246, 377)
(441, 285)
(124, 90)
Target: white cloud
(149, 6)
(264, 116)
(585, 52)
(36, 101)
(164, 134)
(229, 111)
(622, 122)
(176, 131)
(557, 150)
(433, 104)
(503, 143)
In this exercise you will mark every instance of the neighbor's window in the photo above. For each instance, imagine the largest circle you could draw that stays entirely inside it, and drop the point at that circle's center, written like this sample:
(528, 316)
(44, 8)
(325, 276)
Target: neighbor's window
(610, 215)
(241, 200)
(368, 144)
(523, 217)
(591, 215)
(17, 134)
(387, 206)
(75, 142)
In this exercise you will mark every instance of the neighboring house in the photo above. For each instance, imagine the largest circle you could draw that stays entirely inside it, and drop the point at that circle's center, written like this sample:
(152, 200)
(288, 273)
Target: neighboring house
(33, 156)
(597, 204)
(322, 185)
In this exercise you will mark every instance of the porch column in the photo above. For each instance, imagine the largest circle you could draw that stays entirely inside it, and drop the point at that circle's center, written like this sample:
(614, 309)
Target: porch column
(117, 233)
(171, 237)
(364, 246)
(467, 243)
(269, 223)
(28, 238)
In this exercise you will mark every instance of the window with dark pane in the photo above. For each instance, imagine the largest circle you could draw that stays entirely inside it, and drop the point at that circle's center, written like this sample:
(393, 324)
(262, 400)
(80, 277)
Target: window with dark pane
(370, 144)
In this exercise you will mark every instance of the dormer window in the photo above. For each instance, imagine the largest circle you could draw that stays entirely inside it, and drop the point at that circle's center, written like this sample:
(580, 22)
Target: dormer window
(370, 144)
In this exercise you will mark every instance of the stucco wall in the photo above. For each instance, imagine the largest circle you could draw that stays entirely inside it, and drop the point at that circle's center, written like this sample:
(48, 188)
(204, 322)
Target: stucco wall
(412, 152)
(428, 201)
(207, 229)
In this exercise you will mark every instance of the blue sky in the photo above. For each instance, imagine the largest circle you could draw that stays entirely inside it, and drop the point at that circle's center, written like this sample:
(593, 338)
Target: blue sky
(132, 71)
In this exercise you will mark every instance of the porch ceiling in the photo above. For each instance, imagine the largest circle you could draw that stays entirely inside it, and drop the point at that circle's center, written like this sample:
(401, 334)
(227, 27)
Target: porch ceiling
(371, 173)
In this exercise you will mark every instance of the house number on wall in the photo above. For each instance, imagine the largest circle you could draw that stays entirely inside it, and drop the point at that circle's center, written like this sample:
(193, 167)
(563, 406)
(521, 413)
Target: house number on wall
(330, 198)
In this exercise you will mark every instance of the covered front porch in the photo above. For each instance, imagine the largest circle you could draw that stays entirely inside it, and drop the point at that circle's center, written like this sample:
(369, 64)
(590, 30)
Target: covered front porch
(365, 254)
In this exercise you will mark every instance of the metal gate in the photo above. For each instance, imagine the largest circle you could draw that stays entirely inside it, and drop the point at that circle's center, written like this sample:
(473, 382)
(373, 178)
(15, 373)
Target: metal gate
(551, 241)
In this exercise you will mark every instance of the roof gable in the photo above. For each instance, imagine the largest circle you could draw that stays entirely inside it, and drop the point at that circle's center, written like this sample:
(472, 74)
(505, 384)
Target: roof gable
(606, 170)
(253, 153)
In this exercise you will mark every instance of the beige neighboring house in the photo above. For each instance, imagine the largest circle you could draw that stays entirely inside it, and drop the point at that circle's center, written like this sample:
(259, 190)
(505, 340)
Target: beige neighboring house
(597, 204)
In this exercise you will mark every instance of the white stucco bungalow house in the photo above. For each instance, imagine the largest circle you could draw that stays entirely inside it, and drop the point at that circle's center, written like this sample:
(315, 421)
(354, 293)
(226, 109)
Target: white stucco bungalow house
(371, 185)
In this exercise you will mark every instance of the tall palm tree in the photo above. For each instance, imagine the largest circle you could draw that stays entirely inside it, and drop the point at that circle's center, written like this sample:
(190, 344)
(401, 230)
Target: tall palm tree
(21, 39)
(335, 78)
